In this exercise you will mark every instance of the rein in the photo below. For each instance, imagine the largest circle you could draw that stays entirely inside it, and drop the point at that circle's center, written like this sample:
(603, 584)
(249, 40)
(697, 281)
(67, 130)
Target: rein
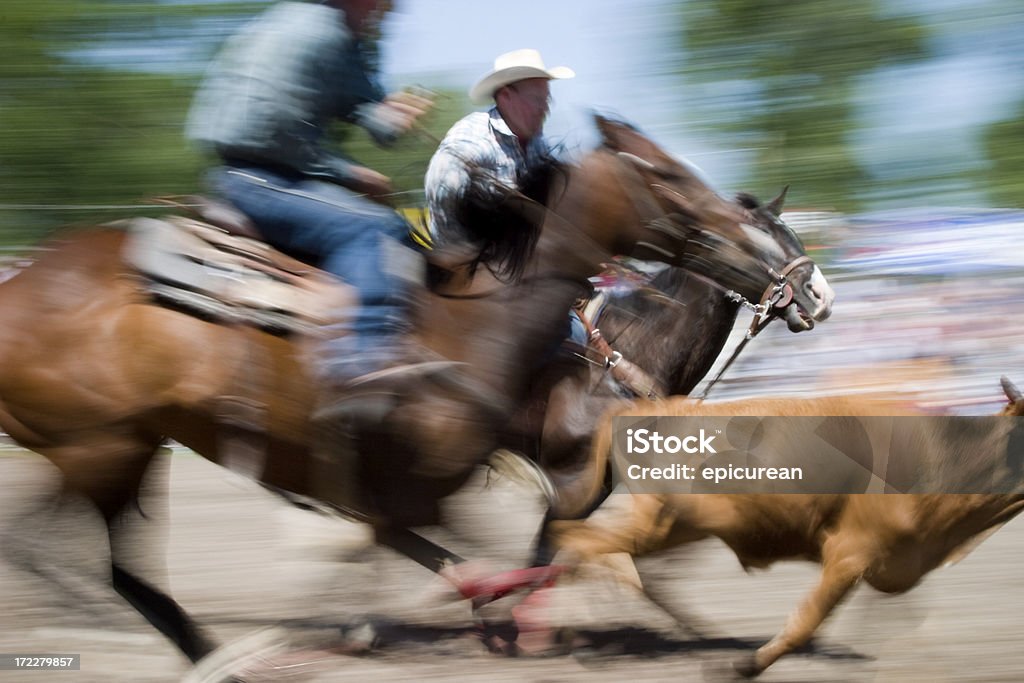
(777, 295)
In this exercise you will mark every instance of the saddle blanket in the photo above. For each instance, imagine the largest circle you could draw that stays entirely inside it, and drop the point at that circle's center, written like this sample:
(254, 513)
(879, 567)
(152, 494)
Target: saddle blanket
(204, 270)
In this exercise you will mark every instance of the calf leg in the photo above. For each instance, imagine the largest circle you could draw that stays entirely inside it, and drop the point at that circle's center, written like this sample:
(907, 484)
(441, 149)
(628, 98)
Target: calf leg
(842, 569)
(634, 524)
(646, 525)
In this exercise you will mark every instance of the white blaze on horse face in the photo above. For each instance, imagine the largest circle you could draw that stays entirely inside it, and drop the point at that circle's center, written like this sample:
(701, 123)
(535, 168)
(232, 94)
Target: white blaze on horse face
(812, 297)
(818, 290)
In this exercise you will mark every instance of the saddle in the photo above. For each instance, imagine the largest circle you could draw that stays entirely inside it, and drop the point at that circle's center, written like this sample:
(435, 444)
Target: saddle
(213, 272)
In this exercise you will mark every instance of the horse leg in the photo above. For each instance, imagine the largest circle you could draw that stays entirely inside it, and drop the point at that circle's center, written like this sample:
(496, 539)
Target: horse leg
(420, 550)
(151, 602)
(33, 539)
(163, 613)
(581, 480)
(111, 481)
(842, 568)
(515, 467)
(544, 546)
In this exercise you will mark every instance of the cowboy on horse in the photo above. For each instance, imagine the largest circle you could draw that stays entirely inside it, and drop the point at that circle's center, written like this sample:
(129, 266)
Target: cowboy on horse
(263, 109)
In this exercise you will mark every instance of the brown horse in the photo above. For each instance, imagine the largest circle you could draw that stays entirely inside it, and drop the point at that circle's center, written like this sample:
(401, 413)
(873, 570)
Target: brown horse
(95, 376)
(889, 541)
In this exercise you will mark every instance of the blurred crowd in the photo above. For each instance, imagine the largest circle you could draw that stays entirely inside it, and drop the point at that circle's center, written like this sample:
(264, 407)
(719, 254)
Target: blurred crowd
(926, 306)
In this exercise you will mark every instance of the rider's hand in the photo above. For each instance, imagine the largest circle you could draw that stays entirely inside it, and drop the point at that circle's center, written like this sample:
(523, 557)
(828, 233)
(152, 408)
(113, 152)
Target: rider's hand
(369, 182)
(404, 108)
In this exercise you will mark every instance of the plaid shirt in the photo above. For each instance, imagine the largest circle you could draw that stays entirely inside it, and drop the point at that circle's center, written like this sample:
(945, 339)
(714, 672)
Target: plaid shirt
(483, 140)
(277, 84)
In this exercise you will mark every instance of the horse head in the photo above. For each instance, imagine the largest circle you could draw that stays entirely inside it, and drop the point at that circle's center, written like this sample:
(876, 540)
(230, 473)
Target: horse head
(806, 296)
(742, 245)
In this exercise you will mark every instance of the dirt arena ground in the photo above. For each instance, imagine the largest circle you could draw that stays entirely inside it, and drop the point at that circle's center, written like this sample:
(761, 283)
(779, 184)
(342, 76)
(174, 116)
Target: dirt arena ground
(241, 560)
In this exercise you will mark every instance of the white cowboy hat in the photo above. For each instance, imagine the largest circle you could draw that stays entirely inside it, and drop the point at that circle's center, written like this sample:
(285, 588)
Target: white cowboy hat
(515, 66)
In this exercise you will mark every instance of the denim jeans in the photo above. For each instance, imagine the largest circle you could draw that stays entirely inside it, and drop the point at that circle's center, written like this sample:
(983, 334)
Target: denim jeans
(577, 330)
(346, 234)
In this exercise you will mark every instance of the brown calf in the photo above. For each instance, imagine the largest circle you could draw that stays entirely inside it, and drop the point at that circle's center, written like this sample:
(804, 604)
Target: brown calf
(889, 541)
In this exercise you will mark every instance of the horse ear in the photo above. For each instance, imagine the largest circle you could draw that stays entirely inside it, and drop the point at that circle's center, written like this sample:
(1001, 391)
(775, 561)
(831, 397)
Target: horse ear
(604, 127)
(775, 205)
(747, 200)
(611, 132)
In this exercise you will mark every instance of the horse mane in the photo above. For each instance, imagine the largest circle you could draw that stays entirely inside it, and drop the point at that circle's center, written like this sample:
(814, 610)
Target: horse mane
(748, 201)
(503, 230)
(616, 120)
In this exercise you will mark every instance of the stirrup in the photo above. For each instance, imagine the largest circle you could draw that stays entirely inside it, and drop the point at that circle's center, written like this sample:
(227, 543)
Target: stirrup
(370, 397)
(402, 372)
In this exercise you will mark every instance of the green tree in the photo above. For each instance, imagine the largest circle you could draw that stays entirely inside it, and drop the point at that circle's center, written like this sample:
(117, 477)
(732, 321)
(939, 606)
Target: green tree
(780, 77)
(78, 129)
(1003, 141)
(1004, 175)
(85, 123)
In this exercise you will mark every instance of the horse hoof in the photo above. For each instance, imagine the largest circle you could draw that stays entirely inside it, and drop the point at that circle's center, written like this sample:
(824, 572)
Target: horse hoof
(747, 667)
(224, 664)
(497, 645)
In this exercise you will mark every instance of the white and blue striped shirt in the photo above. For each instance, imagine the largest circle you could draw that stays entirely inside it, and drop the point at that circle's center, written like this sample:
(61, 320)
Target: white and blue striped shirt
(484, 141)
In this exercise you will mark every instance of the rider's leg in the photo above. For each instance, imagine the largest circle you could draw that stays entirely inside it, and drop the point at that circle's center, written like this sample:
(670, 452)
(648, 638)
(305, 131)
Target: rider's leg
(577, 330)
(356, 239)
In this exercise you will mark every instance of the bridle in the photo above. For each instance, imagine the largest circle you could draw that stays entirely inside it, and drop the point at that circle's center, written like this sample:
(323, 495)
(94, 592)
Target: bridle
(777, 296)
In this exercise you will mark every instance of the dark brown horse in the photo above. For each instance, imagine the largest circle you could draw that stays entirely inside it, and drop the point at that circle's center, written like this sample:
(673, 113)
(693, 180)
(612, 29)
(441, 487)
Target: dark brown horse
(95, 376)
